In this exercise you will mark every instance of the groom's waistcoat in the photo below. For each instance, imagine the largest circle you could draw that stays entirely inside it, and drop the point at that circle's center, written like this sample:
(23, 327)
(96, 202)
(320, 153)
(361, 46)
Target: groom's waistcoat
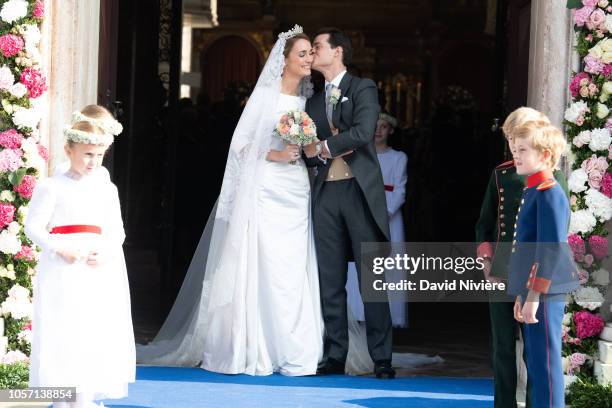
(355, 116)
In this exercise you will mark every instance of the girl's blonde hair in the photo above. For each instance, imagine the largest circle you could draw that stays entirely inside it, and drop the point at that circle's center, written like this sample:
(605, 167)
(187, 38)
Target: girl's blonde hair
(520, 116)
(543, 136)
(97, 112)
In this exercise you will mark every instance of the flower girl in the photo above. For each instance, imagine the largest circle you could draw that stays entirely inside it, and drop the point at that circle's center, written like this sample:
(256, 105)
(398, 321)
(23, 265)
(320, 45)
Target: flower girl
(82, 325)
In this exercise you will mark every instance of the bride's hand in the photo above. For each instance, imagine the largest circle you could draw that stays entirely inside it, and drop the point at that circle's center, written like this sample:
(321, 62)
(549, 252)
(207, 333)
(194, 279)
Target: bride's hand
(290, 153)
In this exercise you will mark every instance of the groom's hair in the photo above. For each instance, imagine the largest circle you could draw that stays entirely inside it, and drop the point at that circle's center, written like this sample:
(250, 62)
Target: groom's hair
(337, 38)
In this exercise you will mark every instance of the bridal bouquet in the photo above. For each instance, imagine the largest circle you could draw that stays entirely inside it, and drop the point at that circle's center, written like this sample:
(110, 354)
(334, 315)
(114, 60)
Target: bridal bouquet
(296, 127)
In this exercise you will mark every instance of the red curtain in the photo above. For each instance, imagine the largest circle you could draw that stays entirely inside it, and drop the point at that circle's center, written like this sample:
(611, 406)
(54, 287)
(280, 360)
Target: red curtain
(230, 58)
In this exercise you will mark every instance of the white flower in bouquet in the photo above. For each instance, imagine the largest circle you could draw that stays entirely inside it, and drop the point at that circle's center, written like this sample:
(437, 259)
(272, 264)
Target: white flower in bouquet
(22, 212)
(14, 356)
(25, 336)
(602, 111)
(18, 90)
(9, 243)
(600, 139)
(295, 130)
(601, 277)
(606, 46)
(582, 221)
(567, 319)
(582, 138)
(577, 180)
(14, 228)
(608, 23)
(599, 204)
(13, 10)
(7, 79)
(7, 196)
(26, 118)
(575, 111)
(31, 35)
(588, 297)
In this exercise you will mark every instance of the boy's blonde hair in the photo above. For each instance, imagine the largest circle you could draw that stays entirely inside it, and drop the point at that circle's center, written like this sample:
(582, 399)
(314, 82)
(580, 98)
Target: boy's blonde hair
(542, 136)
(520, 116)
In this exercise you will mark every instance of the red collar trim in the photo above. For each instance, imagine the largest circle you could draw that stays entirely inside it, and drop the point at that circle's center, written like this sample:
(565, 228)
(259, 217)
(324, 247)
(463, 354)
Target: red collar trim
(539, 177)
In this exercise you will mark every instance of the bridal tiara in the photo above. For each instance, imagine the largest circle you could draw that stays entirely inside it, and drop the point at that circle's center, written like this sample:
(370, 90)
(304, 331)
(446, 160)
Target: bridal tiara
(297, 29)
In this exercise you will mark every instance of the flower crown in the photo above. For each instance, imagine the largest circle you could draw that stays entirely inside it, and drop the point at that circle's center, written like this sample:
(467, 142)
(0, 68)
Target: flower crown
(297, 29)
(110, 126)
(79, 136)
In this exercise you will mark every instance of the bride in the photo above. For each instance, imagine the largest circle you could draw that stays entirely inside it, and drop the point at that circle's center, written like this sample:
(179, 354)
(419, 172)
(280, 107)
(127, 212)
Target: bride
(250, 300)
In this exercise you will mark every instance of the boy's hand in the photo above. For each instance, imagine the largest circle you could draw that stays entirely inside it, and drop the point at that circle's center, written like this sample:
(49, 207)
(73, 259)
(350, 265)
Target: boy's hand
(518, 316)
(69, 255)
(530, 308)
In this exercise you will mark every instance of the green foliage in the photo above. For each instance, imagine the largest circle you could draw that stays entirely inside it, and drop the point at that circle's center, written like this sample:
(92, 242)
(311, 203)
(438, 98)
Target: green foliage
(13, 376)
(586, 393)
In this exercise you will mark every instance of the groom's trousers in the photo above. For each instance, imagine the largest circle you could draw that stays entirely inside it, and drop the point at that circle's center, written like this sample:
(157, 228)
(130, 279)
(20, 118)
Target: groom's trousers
(342, 221)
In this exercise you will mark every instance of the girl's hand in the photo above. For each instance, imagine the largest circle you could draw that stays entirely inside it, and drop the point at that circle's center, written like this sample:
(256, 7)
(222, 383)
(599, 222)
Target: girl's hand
(69, 255)
(518, 316)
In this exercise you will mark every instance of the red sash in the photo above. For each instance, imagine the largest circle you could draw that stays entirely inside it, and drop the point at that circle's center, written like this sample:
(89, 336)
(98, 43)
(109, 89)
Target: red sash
(75, 229)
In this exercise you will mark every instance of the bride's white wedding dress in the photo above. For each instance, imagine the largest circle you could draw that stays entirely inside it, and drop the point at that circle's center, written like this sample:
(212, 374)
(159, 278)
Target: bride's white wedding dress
(274, 322)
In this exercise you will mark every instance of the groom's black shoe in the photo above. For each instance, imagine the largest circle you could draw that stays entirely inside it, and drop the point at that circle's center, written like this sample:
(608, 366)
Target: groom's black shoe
(383, 369)
(331, 366)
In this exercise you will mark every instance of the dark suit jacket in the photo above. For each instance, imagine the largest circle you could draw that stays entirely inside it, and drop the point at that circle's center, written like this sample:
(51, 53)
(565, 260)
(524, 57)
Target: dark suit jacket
(355, 118)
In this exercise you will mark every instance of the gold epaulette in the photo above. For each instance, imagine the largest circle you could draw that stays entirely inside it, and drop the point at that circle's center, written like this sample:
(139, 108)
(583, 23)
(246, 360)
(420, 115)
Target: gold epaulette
(545, 185)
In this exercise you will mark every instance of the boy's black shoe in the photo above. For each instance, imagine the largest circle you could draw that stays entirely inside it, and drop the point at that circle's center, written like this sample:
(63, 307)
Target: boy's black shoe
(384, 370)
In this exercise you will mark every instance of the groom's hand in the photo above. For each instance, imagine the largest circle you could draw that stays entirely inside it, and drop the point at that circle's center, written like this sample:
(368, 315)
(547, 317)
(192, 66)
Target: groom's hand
(310, 150)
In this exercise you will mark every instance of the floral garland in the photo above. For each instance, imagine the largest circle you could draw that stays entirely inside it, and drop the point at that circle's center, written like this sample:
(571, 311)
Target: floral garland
(588, 124)
(22, 159)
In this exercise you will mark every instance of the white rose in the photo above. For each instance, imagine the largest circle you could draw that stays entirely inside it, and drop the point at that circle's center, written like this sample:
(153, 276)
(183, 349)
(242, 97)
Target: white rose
(575, 110)
(14, 10)
(600, 139)
(7, 195)
(567, 319)
(582, 138)
(14, 228)
(602, 111)
(599, 204)
(608, 22)
(19, 292)
(295, 130)
(31, 35)
(603, 3)
(22, 212)
(588, 297)
(596, 51)
(18, 90)
(601, 277)
(7, 79)
(582, 221)
(577, 180)
(9, 243)
(26, 118)
(606, 47)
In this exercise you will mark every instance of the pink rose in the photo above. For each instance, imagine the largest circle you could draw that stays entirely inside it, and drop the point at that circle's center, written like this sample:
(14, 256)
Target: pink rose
(39, 9)
(26, 188)
(34, 80)
(583, 276)
(593, 65)
(11, 44)
(580, 120)
(595, 167)
(581, 15)
(607, 70)
(589, 38)
(606, 185)
(26, 253)
(598, 246)
(584, 92)
(593, 89)
(576, 83)
(10, 139)
(597, 18)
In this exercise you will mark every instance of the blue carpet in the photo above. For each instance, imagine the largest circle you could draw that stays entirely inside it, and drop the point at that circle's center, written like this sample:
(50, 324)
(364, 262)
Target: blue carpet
(192, 387)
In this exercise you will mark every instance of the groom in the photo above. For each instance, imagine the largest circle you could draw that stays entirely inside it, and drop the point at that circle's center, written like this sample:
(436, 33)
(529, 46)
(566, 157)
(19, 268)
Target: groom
(349, 204)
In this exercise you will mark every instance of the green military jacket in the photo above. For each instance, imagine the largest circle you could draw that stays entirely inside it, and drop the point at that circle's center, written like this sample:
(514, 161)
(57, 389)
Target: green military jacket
(498, 213)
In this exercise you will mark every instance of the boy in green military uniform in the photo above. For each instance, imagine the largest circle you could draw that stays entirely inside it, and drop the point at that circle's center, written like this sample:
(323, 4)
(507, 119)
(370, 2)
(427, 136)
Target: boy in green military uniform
(496, 225)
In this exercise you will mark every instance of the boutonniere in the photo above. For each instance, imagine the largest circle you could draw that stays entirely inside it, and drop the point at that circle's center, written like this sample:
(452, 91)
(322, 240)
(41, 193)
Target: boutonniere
(334, 98)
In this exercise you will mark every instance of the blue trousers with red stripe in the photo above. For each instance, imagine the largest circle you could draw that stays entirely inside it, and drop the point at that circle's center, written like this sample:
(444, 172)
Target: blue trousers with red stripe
(543, 349)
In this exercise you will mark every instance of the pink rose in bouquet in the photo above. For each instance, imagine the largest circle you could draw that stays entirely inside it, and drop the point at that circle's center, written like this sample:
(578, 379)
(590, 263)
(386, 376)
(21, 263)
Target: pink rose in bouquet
(575, 84)
(595, 167)
(596, 19)
(26, 187)
(606, 185)
(7, 214)
(581, 15)
(588, 324)
(598, 246)
(576, 243)
(576, 361)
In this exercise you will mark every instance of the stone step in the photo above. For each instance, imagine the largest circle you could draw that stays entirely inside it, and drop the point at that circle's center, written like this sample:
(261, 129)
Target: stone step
(603, 372)
(605, 351)
(606, 334)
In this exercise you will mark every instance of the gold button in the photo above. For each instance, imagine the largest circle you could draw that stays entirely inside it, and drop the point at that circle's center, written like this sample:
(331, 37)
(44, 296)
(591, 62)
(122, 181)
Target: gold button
(514, 225)
(504, 172)
(503, 234)
(501, 190)
(501, 207)
(523, 201)
(514, 234)
(503, 225)
(502, 216)
(502, 198)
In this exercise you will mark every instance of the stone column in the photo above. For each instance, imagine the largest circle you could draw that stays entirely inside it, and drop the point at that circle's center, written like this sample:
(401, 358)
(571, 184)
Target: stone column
(551, 58)
(70, 41)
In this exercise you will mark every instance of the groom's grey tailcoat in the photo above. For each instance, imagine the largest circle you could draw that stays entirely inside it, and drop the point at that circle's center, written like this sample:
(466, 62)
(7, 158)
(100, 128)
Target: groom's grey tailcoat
(349, 212)
(356, 119)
